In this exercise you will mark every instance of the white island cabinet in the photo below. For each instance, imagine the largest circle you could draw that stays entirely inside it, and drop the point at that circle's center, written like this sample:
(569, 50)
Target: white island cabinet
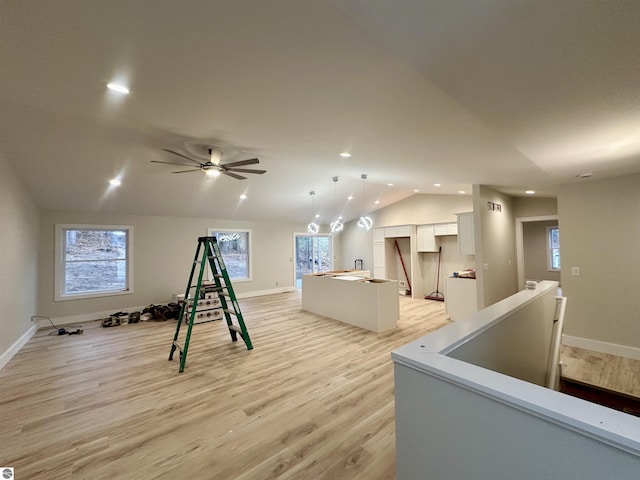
(363, 302)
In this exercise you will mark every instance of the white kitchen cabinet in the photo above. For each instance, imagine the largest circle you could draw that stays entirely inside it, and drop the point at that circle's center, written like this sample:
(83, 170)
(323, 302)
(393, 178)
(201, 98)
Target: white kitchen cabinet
(442, 229)
(379, 270)
(426, 238)
(466, 234)
(398, 231)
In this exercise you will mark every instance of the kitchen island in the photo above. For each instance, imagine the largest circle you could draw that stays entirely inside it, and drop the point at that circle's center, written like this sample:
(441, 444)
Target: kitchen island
(345, 296)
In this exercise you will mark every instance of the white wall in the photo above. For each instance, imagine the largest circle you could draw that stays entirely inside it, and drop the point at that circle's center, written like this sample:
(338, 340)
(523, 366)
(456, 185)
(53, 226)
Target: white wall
(164, 248)
(600, 234)
(18, 261)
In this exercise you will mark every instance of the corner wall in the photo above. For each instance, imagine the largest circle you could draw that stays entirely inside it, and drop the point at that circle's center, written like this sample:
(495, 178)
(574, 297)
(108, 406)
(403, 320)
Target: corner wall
(600, 225)
(18, 262)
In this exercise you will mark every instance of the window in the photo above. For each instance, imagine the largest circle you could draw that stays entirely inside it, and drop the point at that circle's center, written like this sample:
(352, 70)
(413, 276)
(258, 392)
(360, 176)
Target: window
(553, 248)
(93, 261)
(235, 247)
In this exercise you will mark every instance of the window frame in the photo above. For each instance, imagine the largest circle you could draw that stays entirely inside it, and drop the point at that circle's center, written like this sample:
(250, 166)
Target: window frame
(550, 249)
(213, 232)
(60, 262)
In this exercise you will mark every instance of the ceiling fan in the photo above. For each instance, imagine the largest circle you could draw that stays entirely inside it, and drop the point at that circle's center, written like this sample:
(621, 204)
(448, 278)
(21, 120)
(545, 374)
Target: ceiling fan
(213, 167)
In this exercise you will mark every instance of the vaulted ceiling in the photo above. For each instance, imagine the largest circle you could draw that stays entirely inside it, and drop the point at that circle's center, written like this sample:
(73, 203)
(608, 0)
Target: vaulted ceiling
(518, 95)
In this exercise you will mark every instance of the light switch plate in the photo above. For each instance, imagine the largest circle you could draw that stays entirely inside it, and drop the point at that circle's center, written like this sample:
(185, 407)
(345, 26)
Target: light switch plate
(575, 271)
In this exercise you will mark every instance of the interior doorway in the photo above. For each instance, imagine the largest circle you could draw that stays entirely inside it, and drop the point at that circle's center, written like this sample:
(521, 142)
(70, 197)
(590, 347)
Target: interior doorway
(532, 261)
(313, 254)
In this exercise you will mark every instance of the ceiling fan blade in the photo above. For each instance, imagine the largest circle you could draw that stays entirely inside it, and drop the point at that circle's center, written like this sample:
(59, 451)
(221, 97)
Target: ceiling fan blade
(246, 170)
(185, 171)
(231, 174)
(172, 163)
(181, 155)
(251, 161)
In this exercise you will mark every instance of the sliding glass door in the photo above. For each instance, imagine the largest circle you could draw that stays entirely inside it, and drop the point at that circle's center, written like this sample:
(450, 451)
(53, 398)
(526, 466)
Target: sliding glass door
(313, 253)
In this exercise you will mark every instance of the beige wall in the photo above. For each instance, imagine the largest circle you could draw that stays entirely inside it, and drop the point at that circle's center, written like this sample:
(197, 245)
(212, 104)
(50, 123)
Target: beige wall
(163, 252)
(600, 225)
(534, 236)
(18, 257)
(534, 207)
(495, 246)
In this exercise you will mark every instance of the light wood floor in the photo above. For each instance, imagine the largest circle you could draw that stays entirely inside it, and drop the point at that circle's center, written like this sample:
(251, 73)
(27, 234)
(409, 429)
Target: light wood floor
(313, 400)
(610, 372)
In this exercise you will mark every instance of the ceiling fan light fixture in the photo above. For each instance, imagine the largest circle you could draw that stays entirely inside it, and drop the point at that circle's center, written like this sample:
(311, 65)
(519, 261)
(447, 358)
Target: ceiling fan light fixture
(212, 172)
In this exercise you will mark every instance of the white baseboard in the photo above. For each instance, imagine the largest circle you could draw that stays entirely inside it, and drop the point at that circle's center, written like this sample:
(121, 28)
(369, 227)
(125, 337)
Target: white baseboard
(602, 347)
(18, 344)
(260, 293)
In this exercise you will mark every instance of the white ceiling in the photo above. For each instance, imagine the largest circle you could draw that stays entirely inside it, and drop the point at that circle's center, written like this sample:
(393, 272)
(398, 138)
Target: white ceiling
(518, 94)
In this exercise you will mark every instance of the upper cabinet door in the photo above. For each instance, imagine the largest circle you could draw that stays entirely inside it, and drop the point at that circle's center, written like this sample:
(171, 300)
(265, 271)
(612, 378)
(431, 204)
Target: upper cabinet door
(426, 238)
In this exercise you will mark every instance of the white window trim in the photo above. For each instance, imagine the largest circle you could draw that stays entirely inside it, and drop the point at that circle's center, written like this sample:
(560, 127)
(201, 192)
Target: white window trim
(59, 262)
(211, 233)
(550, 250)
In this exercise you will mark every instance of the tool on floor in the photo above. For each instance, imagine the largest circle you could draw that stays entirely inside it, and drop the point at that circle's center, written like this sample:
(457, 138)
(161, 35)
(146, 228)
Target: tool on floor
(437, 295)
(221, 285)
(408, 291)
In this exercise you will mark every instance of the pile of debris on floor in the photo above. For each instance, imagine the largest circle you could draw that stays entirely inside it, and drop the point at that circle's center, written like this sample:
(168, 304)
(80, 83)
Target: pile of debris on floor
(157, 313)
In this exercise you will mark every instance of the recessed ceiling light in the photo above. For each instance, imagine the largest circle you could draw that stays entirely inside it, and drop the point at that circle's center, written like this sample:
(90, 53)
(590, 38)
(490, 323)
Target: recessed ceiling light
(115, 182)
(345, 155)
(243, 196)
(416, 190)
(350, 197)
(340, 217)
(376, 202)
(389, 184)
(116, 87)
(461, 192)
(530, 192)
(317, 215)
(437, 184)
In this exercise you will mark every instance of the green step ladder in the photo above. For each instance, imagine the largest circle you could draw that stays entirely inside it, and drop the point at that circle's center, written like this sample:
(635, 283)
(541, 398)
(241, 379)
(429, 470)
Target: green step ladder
(222, 286)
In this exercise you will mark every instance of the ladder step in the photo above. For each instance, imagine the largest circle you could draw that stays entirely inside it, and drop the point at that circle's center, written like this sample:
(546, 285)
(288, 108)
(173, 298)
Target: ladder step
(235, 328)
(178, 346)
(228, 310)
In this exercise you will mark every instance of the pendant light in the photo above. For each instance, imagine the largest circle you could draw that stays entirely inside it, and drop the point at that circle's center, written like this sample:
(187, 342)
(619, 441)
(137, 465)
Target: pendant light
(313, 226)
(336, 226)
(365, 221)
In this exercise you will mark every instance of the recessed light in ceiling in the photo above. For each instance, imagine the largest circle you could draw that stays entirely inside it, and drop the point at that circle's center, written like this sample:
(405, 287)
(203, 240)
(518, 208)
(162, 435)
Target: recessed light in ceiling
(243, 196)
(350, 197)
(345, 155)
(376, 202)
(530, 192)
(116, 87)
(461, 192)
(437, 184)
(317, 215)
(416, 190)
(389, 184)
(115, 182)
